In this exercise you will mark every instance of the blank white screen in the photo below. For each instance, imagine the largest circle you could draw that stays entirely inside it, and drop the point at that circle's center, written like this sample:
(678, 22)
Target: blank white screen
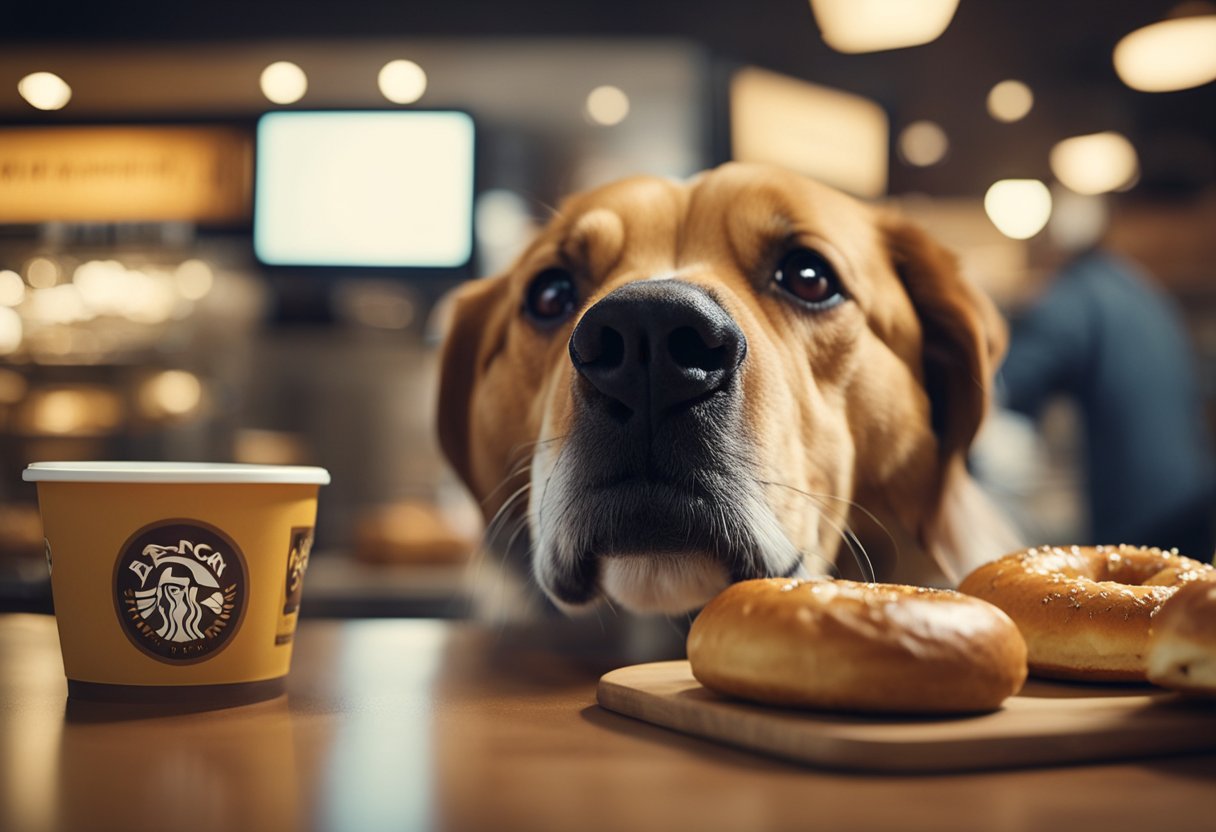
(364, 189)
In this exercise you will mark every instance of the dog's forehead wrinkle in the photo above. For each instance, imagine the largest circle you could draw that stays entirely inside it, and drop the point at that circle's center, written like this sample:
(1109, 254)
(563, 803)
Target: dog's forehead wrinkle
(679, 272)
(594, 240)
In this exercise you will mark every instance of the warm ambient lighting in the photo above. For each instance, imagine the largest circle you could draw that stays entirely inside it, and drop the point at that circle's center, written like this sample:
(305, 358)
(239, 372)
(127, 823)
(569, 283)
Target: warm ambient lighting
(170, 393)
(106, 287)
(1019, 208)
(45, 91)
(841, 139)
(42, 273)
(402, 82)
(1094, 164)
(284, 83)
(73, 411)
(873, 25)
(1171, 55)
(501, 218)
(12, 288)
(923, 143)
(607, 106)
(11, 331)
(13, 385)
(194, 279)
(1010, 101)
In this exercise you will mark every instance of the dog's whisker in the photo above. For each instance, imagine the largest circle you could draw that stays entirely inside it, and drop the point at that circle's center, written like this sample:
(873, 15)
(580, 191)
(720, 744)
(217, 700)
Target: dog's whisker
(860, 556)
(514, 519)
(544, 493)
(520, 527)
(609, 604)
(519, 460)
(538, 201)
(508, 516)
(856, 545)
(488, 550)
(506, 482)
(847, 502)
(675, 627)
(526, 450)
(508, 505)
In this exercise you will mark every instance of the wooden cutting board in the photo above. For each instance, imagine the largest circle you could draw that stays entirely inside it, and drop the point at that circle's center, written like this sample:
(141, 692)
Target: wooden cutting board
(1046, 724)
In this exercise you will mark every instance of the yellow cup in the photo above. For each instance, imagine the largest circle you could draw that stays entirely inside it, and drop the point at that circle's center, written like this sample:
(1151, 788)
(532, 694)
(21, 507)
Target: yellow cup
(176, 582)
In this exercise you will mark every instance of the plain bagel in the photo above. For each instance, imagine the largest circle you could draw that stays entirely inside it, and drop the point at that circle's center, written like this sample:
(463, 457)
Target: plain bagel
(1084, 611)
(842, 645)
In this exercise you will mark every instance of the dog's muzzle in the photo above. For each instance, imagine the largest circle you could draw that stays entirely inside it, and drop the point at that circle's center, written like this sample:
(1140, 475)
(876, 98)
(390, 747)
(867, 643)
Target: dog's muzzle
(654, 500)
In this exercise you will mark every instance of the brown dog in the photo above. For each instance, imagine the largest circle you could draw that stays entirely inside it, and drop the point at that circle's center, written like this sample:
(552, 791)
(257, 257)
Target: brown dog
(680, 385)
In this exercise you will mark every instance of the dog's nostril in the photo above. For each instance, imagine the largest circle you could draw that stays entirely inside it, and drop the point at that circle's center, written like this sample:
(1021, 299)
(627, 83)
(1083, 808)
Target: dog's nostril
(612, 348)
(690, 351)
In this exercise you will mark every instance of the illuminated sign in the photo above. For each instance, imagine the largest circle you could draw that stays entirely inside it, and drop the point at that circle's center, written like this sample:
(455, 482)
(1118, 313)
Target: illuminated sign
(834, 136)
(124, 174)
(389, 188)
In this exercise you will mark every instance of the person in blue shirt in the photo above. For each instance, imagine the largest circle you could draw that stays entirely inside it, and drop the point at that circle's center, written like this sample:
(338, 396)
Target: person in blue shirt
(1103, 334)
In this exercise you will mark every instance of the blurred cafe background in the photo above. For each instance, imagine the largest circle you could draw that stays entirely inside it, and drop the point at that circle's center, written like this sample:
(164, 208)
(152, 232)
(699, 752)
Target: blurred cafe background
(226, 228)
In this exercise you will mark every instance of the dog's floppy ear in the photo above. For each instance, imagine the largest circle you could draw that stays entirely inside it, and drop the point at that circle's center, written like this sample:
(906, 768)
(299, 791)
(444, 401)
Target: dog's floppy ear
(475, 327)
(964, 339)
(964, 336)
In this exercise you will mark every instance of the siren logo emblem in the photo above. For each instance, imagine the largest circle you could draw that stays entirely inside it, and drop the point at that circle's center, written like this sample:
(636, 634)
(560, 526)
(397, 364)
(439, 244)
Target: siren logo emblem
(180, 590)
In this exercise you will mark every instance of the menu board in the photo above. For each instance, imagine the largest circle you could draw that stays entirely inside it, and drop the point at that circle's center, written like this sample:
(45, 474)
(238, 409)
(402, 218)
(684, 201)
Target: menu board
(119, 173)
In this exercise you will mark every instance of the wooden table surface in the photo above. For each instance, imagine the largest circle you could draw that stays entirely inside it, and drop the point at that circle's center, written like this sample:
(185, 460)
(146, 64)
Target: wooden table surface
(422, 724)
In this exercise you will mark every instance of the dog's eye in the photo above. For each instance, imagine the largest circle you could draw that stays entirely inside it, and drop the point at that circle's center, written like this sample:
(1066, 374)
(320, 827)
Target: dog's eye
(551, 297)
(808, 276)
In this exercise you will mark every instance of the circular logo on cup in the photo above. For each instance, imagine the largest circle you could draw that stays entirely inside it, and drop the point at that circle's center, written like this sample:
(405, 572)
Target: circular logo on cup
(180, 590)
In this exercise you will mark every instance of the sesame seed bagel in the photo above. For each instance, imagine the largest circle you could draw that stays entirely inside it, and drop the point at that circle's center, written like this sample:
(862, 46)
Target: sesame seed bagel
(1085, 610)
(842, 645)
(1182, 641)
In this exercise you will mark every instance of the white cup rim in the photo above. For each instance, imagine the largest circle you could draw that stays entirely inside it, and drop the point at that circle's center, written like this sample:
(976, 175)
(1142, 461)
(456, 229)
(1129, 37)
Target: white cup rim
(174, 472)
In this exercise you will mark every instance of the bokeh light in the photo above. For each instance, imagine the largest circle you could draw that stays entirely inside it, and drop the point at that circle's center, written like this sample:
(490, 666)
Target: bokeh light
(283, 82)
(1010, 101)
(402, 82)
(170, 393)
(607, 105)
(923, 143)
(1095, 163)
(1171, 55)
(1019, 208)
(12, 288)
(45, 91)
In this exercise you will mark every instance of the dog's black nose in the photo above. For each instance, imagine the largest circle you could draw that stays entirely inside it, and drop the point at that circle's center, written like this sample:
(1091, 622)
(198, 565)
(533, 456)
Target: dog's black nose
(654, 345)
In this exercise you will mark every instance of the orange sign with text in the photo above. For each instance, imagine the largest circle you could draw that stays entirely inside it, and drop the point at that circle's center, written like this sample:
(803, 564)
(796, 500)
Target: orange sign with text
(125, 174)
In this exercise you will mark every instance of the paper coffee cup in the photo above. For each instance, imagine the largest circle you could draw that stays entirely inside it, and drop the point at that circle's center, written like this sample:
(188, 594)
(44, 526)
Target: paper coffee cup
(176, 581)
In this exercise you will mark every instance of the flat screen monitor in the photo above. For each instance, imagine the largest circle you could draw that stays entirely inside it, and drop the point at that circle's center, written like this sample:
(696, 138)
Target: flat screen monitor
(364, 189)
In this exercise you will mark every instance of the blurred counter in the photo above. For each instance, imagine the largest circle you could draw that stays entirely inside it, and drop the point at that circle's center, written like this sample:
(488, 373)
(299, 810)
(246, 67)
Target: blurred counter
(430, 725)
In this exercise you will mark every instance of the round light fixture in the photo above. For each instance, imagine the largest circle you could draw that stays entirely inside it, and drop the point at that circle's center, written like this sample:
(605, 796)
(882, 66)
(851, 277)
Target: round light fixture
(402, 82)
(283, 82)
(44, 91)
